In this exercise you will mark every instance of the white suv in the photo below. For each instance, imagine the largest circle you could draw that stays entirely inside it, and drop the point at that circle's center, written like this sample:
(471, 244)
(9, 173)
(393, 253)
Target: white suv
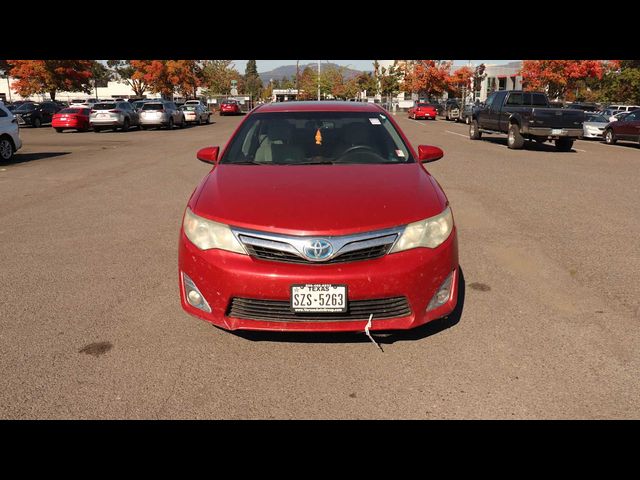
(10, 141)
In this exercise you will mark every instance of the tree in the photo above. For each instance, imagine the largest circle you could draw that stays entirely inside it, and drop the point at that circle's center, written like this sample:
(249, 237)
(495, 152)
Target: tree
(560, 78)
(253, 83)
(50, 76)
(308, 83)
(621, 82)
(186, 76)
(460, 81)
(124, 70)
(427, 77)
(366, 82)
(217, 76)
(478, 77)
(388, 79)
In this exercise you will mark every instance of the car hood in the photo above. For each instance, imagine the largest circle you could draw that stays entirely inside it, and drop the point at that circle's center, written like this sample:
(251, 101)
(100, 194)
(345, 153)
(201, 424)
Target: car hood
(319, 199)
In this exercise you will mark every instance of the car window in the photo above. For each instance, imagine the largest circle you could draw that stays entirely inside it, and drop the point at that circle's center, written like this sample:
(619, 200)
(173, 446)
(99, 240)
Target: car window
(317, 137)
(104, 106)
(489, 100)
(515, 99)
(631, 117)
(3, 112)
(153, 106)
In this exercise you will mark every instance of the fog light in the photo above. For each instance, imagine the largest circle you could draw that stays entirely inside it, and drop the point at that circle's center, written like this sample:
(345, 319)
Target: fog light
(443, 294)
(194, 297)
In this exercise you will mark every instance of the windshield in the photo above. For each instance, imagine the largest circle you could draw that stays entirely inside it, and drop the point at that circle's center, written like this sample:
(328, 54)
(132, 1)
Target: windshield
(26, 106)
(598, 119)
(298, 138)
(190, 107)
(152, 106)
(104, 106)
(75, 111)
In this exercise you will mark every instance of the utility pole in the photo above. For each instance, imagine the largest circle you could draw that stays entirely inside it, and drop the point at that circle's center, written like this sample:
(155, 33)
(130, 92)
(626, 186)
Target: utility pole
(318, 80)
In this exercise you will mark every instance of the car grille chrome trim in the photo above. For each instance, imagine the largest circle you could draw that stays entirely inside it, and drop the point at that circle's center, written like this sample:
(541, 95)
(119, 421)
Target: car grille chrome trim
(290, 248)
(280, 310)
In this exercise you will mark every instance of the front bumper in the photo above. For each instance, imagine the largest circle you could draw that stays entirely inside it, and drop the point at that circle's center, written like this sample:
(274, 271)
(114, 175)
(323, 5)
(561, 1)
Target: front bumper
(415, 274)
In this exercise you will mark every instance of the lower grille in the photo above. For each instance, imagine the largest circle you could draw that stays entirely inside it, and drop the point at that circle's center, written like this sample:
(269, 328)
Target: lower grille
(280, 311)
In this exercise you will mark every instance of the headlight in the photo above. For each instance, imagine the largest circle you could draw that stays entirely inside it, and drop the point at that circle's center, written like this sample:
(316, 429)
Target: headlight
(207, 234)
(429, 233)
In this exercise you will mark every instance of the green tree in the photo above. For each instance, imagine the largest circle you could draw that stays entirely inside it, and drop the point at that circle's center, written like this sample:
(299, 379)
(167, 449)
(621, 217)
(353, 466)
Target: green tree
(253, 83)
(217, 76)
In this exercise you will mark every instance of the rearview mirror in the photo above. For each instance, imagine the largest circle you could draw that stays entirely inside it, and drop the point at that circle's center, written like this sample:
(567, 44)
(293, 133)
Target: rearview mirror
(208, 155)
(429, 153)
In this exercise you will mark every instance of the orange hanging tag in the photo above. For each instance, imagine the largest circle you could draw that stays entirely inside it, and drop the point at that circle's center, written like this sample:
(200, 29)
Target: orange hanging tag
(318, 138)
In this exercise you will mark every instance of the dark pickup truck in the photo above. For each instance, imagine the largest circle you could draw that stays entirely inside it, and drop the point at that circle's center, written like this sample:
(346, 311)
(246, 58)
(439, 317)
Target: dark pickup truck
(526, 115)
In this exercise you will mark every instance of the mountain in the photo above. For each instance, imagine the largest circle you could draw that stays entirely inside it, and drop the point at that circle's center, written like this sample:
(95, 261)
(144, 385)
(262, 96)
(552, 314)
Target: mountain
(290, 70)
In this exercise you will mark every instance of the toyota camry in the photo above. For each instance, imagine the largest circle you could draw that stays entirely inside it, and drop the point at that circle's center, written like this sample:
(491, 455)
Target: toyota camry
(318, 216)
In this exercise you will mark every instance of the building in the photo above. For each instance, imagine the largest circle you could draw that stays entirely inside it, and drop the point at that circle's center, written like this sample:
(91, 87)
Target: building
(501, 77)
(284, 95)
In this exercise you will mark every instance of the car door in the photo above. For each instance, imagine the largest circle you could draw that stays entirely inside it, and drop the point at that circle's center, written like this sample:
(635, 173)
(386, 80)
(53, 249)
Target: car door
(627, 129)
(514, 102)
(484, 113)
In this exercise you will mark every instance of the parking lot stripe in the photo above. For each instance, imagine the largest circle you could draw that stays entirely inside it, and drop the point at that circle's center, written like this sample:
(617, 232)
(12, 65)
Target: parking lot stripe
(454, 133)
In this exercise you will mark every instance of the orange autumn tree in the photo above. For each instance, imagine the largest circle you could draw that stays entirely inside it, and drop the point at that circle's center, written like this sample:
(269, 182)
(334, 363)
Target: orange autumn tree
(168, 76)
(559, 78)
(426, 77)
(50, 76)
(460, 80)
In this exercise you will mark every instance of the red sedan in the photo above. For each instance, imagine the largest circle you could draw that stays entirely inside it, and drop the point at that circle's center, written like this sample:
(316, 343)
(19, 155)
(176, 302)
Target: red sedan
(423, 110)
(318, 216)
(627, 128)
(230, 107)
(71, 118)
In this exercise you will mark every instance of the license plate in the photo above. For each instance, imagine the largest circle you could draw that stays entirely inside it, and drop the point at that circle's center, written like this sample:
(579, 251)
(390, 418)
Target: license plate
(557, 131)
(103, 115)
(314, 297)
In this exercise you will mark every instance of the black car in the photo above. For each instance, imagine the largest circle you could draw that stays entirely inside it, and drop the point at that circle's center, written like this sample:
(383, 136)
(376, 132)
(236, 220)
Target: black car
(36, 114)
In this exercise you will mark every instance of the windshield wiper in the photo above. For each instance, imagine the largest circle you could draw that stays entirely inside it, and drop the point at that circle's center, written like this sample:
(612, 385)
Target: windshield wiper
(313, 162)
(246, 162)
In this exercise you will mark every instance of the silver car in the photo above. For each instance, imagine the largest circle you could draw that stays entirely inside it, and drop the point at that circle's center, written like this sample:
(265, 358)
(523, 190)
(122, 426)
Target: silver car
(161, 113)
(593, 126)
(196, 113)
(113, 115)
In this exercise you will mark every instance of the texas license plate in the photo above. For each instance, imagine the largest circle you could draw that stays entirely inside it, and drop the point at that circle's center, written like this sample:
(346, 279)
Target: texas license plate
(314, 297)
(557, 131)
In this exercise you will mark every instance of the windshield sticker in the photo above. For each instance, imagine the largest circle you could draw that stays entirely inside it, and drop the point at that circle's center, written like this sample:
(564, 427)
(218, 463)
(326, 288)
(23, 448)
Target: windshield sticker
(374, 121)
(399, 153)
(318, 137)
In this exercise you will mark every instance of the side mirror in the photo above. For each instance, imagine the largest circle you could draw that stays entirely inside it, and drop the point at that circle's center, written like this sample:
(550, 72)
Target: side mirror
(428, 153)
(208, 155)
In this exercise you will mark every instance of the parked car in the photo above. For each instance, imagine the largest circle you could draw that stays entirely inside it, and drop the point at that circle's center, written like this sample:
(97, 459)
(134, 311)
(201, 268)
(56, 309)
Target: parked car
(452, 110)
(196, 113)
(626, 128)
(586, 107)
(10, 141)
(161, 113)
(467, 113)
(86, 102)
(526, 115)
(593, 126)
(113, 115)
(230, 107)
(36, 114)
(618, 116)
(331, 264)
(13, 105)
(423, 110)
(623, 108)
(75, 118)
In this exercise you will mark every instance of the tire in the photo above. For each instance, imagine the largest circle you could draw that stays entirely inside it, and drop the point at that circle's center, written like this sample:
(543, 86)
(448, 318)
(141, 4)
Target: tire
(6, 149)
(515, 141)
(610, 137)
(59, 130)
(97, 129)
(474, 130)
(170, 125)
(208, 119)
(183, 123)
(125, 125)
(37, 123)
(564, 144)
(466, 120)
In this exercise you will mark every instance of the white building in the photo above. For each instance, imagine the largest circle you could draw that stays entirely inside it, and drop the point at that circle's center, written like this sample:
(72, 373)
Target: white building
(501, 77)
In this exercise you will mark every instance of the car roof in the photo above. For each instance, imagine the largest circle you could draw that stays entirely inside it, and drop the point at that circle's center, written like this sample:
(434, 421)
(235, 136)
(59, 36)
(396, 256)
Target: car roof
(322, 106)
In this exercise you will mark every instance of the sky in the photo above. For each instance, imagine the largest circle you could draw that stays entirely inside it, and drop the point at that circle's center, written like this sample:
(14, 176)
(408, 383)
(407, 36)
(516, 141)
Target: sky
(268, 65)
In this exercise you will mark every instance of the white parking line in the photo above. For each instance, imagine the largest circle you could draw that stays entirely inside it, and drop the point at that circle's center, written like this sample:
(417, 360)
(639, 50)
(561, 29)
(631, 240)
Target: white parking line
(578, 150)
(455, 133)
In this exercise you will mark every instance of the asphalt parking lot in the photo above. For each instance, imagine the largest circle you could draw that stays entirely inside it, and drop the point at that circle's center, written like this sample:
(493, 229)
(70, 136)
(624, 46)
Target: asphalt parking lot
(91, 325)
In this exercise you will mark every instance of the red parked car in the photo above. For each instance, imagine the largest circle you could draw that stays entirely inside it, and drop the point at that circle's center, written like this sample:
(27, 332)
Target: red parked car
(626, 128)
(230, 107)
(318, 216)
(71, 118)
(423, 110)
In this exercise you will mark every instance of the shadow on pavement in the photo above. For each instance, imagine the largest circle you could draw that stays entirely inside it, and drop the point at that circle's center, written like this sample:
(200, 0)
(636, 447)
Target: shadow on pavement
(382, 337)
(30, 157)
(528, 145)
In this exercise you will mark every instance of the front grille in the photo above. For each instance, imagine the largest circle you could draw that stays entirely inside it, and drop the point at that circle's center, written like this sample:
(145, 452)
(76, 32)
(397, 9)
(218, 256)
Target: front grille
(280, 311)
(264, 253)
